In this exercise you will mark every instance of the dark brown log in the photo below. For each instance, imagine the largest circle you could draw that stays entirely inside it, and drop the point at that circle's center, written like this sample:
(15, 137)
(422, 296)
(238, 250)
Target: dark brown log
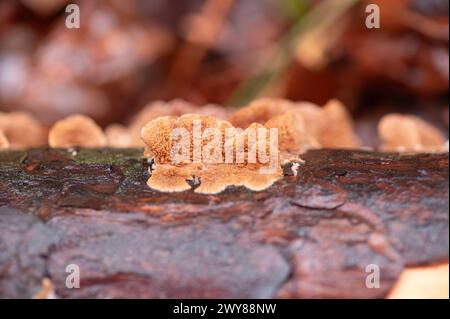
(311, 235)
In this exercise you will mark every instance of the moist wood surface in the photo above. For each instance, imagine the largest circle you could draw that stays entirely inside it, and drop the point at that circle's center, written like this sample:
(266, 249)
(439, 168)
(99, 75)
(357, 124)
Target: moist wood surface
(310, 235)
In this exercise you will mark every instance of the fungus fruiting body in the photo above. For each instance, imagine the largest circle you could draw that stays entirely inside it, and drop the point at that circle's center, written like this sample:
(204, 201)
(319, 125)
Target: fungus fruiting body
(408, 133)
(293, 135)
(251, 146)
(22, 130)
(4, 144)
(170, 178)
(302, 125)
(210, 153)
(175, 107)
(199, 149)
(76, 130)
(260, 111)
(118, 136)
(336, 127)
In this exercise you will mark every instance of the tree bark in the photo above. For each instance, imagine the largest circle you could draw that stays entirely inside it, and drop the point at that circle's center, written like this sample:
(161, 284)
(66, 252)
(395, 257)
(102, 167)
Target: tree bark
(346, 215)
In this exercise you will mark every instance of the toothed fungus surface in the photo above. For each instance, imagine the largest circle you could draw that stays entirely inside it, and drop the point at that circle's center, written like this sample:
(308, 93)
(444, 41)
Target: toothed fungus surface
(198, 149)
(272, 126)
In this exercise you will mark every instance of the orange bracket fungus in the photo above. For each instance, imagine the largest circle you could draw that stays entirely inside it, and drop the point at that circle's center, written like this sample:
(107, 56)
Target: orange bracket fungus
(130, 135)
(408, 133)
(4, 144)
(211, 154)
(76, 130)
(336, 127)
(118, 136)
(293, 135)
(22, 130)
(276, 131)
(302, 125)
(260, 111)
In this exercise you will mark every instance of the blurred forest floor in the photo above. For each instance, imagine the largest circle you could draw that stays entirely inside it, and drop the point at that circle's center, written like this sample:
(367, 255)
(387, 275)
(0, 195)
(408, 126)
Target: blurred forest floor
(128, 53)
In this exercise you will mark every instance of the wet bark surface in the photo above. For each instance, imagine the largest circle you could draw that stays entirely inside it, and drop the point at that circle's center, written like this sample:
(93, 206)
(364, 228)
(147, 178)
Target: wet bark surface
(310, 235)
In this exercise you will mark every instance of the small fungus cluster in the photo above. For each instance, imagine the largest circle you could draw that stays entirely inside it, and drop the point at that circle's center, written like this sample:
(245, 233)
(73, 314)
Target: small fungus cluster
(298, 127)
(204, 159)
(302, 125)
(408, 133)
(129, 136)
(226, 148)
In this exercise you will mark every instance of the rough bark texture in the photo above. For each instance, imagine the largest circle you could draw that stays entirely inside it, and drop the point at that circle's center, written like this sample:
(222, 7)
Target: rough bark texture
(311, 235)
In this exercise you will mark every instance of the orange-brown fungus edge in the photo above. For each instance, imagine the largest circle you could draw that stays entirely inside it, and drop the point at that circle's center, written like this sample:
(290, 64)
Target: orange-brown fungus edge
(408, 133)
(4, 144)
(22, 130)
(76, 130)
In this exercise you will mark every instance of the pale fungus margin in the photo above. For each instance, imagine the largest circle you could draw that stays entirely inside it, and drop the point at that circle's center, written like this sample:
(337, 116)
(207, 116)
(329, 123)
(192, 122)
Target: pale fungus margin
(76, 131)
(4, 143)
(22, 130)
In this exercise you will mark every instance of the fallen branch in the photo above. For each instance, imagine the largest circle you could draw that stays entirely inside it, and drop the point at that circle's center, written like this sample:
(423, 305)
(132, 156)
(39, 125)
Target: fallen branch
(310, 235)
